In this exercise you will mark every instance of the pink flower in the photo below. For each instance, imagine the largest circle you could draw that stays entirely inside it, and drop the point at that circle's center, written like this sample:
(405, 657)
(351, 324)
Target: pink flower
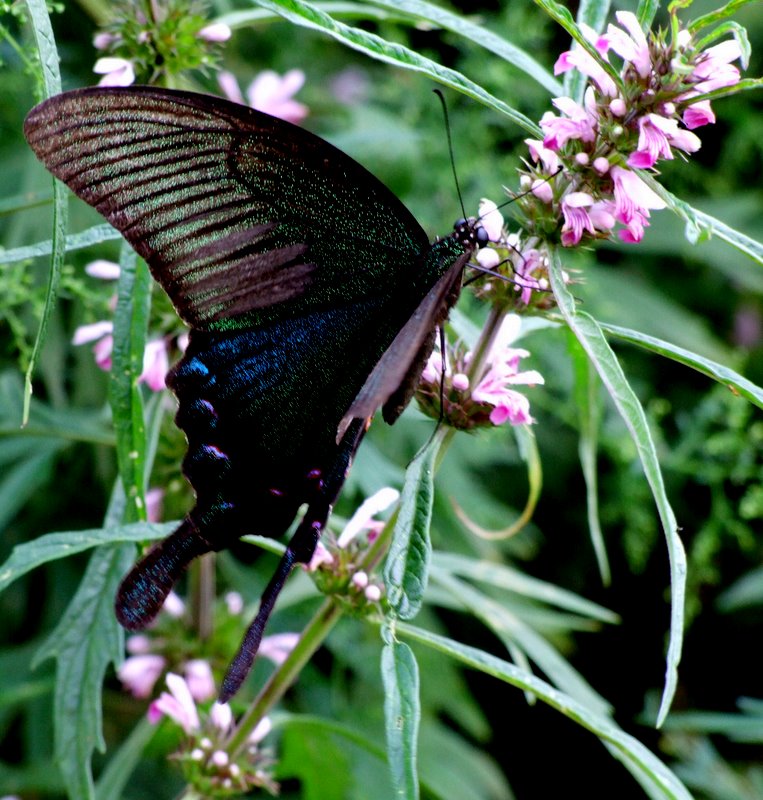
(576, 219)
(631, 46)
(90, 333)
(234, 602)
(269, 92)
(321, 555)
(140, 673)
(215, 32)
(577, 123)
(155, 365)
(493, 389)
(713, 68)
(491, 219)
(103, 269)
(178, 704)
(221, 717)
(633, 198)
(199, 679)
(278, 646)
(656, 135)
(699, 114)
(174, 606)
(580, 59)
(545, 155)
(104, 40)
(366, 511)
(115, 71)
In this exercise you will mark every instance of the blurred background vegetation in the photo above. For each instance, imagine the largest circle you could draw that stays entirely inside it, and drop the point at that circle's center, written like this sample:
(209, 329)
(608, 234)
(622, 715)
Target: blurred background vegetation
(58, 474)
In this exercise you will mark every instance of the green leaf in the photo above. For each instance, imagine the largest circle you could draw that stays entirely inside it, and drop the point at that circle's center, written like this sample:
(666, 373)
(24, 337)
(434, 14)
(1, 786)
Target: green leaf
(130, 327)
(586, 392)
(74, 241)
(84, 643)
(507, 623)
(51, 79)
(402, 713)
(114, 778)
(733, 380)
(502, 576)
(407, 566)
(479, 35)
(591, 338)
(309, 16)
(30, 555)
(664, 783)
(701, 224)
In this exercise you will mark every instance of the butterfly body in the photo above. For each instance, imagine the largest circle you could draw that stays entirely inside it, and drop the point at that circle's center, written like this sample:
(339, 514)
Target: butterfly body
(312, 295)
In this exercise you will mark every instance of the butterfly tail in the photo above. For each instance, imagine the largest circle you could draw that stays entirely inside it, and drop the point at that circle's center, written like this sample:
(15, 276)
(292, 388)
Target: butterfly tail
(143, 591)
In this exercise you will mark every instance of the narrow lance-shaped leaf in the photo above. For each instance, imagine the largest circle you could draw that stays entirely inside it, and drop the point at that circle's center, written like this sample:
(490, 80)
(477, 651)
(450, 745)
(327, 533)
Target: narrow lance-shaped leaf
(407, 567)
(663, 782)
(130, 326)
(593, 342)
(309, 16)
(51, 79)
(402, 712)
(588, 406)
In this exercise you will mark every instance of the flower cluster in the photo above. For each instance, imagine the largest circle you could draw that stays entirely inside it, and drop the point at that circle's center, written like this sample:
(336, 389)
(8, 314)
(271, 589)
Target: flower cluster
(208, 765)
(335, 564)
(629, 119)
(148, 40)
(486, 399)
(580, 181)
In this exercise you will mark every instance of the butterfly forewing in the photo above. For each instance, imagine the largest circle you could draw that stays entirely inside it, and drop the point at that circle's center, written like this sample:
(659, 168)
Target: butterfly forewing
(235, 211)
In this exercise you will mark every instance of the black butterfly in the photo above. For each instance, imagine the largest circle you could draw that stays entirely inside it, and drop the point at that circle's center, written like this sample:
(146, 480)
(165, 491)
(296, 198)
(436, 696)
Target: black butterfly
(312, 295)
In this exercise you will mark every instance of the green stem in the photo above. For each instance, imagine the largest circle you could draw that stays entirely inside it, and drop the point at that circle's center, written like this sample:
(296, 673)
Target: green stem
(203, 595)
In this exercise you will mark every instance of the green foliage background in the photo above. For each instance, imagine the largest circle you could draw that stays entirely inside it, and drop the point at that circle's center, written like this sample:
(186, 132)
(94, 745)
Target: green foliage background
(478, 735)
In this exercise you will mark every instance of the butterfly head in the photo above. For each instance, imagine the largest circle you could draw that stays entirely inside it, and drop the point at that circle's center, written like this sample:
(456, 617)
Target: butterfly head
(470, 232)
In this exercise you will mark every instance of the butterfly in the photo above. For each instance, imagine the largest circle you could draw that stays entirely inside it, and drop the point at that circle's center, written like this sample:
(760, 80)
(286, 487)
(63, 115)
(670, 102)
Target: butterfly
(312, 295)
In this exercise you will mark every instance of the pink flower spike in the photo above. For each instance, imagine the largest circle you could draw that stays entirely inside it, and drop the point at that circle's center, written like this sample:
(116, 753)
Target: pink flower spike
(138, 644)
(278, 646)
(360, 579)
(115, 71)
(372, 593)
(547, 157)
(92, 332)
(215, 32)
(364, 514)
(698, 114)
(271, 93)
(178, 704)
(155, 365)
(139, 673)
(221, 716)
(103, 269)
(199, 679)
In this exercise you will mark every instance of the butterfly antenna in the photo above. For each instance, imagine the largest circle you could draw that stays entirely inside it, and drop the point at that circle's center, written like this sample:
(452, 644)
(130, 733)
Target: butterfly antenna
(450, 150)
